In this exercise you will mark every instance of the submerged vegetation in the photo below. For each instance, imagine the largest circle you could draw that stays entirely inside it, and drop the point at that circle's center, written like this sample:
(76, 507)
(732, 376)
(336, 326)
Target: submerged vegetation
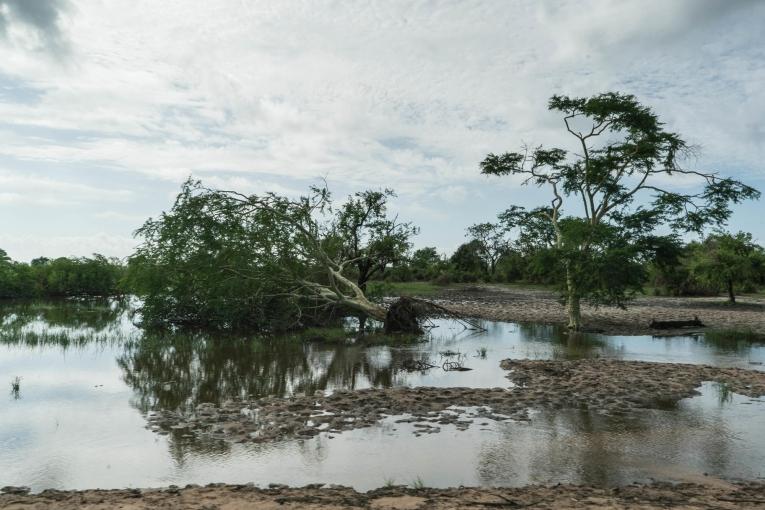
(16, 388)
(733, 337)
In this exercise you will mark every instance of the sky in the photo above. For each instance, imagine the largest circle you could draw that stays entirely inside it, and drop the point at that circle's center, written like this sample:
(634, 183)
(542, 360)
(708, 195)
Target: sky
(107, 106)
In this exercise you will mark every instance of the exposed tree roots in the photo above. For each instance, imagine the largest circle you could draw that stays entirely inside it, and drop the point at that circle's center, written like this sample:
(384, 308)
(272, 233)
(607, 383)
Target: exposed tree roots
(406, 315)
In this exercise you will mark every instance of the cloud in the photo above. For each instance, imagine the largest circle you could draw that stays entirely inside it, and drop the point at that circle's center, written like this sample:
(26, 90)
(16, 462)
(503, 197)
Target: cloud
(27, 247)
(34, 23)
(411, 96)
(44, 191)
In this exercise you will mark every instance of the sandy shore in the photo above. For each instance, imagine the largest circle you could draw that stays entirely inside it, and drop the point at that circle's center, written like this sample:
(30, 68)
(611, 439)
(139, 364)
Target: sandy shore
(235, 497)
(608, 387)
(512, 304)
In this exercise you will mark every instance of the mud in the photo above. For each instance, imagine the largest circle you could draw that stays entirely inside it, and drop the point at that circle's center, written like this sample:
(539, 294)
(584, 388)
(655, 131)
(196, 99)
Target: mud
(315, 497)
(609, 387)
(516, 304)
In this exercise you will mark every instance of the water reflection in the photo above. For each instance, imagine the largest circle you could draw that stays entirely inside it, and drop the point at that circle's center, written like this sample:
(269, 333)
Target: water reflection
(176, 372)
(65, 322)
(88, 377)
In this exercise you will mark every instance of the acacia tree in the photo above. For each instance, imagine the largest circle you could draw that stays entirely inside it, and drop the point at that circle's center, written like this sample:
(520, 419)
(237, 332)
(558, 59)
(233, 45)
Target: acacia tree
(225, 259)
(492, 238)
(370, 239)
(727, 260)
(619, 183)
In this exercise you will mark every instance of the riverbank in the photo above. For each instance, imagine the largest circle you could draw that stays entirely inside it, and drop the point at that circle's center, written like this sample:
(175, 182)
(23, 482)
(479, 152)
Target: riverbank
(522, 304)
(315, 497)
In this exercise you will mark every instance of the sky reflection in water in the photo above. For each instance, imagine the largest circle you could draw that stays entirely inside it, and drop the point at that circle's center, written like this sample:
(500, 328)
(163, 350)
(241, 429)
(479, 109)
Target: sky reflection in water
(88, 376)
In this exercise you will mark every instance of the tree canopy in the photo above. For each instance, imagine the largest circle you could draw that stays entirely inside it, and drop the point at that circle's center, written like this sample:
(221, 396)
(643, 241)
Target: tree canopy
(228, 260)
(615, 199)
(728, 260)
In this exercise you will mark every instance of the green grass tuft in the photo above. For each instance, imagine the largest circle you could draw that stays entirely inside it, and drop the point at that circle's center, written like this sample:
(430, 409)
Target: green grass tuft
(734, 336)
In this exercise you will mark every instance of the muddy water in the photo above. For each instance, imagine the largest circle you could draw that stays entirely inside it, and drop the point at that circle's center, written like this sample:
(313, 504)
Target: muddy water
(87, 378)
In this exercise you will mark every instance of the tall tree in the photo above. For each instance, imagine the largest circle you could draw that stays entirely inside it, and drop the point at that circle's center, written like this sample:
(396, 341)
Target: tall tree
(371, 239)
(617, 188)
(493, 240)
(728, 260)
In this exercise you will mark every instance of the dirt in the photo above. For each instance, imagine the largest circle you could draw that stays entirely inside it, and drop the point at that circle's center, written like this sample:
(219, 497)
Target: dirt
(494, 302)
(609, 387)
(315, 497)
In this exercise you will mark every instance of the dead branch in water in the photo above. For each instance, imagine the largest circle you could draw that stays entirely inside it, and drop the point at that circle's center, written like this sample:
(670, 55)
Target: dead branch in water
(429, 307)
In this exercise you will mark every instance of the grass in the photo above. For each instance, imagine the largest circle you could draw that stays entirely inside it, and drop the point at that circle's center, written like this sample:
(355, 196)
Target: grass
(398, 289)
(389, 482)
(724, 393)
(481, 352)
(16, 387)
(524, 285)
(734, 336)
(418, 483)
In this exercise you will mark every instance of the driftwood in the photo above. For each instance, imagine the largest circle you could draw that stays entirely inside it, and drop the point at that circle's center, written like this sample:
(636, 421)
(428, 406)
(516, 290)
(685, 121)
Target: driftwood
(412, 365)
(695, 323)
(454, 366)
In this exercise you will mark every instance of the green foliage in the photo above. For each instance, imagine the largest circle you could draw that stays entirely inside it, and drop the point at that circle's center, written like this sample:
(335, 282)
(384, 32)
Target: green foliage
(199, 265)
(411, 289)
(601, 254)
(62, 277)
(426, 263)
(492, 241)
(729, 261)
(220, 259)
(369, 237)
(467, 264)
(733, 337)
(721, 262)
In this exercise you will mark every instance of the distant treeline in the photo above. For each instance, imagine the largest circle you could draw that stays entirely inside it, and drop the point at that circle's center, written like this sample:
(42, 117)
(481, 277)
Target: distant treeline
(60, 277)
(722, 262)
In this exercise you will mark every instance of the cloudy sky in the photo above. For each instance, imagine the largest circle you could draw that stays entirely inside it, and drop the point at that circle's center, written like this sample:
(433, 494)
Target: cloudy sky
(106, 106)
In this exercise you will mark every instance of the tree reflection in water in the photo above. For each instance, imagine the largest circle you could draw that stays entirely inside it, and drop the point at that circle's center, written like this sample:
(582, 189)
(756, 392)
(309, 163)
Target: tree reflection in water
(181, 371)
(579, 446)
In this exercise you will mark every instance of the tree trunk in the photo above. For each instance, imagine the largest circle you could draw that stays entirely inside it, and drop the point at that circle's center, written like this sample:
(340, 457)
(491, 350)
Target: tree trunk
(573, 303)
(404, 318)
(367, 307)
(731, 295)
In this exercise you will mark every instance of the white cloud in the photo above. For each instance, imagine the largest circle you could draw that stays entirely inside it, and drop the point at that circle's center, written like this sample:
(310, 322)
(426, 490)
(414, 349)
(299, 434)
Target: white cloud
(410, 96)
(25, 248)
(40, 190)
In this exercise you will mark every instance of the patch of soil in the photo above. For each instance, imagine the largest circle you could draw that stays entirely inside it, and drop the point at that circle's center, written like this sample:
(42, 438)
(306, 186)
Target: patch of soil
(314, 497)
(516, 304)
(617, 386)
(605, 386)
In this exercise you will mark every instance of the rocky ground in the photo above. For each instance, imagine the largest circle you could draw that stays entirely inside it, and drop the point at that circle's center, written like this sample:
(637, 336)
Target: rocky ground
(234, 497)
(516, 304)
(604, 386)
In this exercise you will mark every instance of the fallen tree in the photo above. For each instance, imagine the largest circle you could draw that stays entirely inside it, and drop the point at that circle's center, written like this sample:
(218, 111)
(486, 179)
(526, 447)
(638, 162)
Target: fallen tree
(225, 259)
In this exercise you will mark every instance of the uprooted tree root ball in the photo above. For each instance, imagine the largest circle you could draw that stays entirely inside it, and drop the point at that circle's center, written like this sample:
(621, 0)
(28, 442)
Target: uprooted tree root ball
(403, 316)
(659, 495)
(609, 387)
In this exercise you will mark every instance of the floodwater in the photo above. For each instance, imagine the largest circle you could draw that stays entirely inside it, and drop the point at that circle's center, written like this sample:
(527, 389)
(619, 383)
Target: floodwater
(87, 378)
